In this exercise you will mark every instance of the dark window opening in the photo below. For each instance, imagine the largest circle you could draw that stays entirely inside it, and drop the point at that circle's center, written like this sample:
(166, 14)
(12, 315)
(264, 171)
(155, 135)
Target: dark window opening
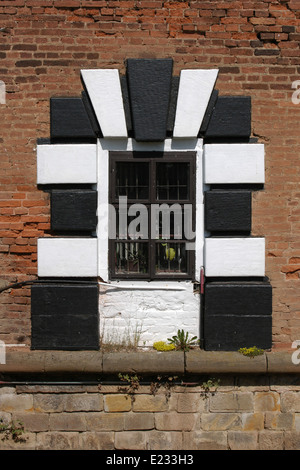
(149, 198)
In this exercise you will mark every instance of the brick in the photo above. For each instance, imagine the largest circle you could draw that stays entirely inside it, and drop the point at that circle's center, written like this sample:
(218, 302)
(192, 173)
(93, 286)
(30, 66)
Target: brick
(292, 440)
(104, 421)
(84, 402)
(231, 401)
(67, 422)
(279, 421)
(150, 403)
(96, 441)
(220, 421)
(117, 403)
(160, 440)
(130, 440)
(49, 403)
(290, 401)
(190, 403)
(11, 403)
(242, 441)
(266, 401)
(33, 422)
(57, 441)
(271, 440)
(138, 421)
(28, 442)
(252, 421)
(175, 422)
(205, 440)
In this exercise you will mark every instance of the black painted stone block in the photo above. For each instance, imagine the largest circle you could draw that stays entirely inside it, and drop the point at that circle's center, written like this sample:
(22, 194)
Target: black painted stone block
(64, 317)
(231, 117)
(149, 86)
(228, 211)
(208, 113)
(73, 210)
(237, 315)
(91, 113)
(69, 121)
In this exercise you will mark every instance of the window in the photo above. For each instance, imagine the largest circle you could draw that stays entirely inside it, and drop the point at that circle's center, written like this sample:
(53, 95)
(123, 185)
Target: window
(152, 199)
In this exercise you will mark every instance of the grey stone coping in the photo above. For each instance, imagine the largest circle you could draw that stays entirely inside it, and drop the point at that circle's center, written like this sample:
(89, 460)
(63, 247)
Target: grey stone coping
(147, 362)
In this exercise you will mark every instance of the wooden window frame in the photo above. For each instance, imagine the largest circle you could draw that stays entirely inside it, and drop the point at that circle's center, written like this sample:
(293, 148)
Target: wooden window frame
(153, 157)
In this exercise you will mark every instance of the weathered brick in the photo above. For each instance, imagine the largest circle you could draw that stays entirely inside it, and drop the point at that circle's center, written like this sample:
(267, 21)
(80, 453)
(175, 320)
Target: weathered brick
(67, 422)
(190, 403)
(266, 401)
(150, 403)
(84, 402)
(104, 421)
(136, 421)
(130, 440)
(11, 403)
(32, 422)
(49, 403)
(160, 440)
(57, 441)
(96, 441)
(220, 421)
(242, 440)
(231, 401)
(117, 403)
(252, 421)
(205, 440)
(271, 440)
(175, 421)
(278, 421)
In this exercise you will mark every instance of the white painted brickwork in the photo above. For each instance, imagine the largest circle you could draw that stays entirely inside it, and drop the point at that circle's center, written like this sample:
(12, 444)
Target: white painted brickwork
(153, 314)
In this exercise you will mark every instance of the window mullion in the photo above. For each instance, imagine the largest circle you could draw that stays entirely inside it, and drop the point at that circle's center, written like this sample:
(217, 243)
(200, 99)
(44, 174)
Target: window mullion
(152, 193)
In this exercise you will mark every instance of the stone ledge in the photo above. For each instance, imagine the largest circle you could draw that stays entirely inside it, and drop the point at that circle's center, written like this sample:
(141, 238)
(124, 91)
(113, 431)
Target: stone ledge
(147, 362)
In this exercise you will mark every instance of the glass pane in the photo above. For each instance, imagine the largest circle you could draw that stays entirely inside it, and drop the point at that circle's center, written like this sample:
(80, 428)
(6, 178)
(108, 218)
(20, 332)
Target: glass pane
(172, 181)
(131, 258)
(170, 258)
(132, 180)
(132, 227)
(169, 221)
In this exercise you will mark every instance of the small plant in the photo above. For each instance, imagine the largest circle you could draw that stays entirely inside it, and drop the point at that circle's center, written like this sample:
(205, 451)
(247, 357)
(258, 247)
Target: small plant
(162, 346)
(132, 381)
(251, 352)
(166, 382)
(210, 384)
(182, 342)
(13, 430)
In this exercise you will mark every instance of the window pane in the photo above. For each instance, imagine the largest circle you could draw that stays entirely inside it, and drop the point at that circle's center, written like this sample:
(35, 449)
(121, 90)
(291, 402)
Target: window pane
(132, 227)
(132, 180)
(131, 258)
(172, 181)
(169, 221)
(170, 258)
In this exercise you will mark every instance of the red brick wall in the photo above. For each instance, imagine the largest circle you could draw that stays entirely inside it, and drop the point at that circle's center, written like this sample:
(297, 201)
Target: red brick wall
(44, 45)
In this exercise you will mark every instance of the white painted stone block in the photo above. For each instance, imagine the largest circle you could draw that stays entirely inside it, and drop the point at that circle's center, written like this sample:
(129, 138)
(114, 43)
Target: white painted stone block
(67, 257)
(234, 163)
(234, 257)
(195, 88)
(147, 314)
(66, 163)
(104, 90)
